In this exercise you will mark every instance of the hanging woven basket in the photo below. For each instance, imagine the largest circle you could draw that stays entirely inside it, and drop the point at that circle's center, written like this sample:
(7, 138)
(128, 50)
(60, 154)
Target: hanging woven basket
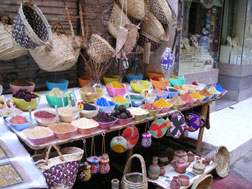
(146, 38)
(115, 20)
(221, 157)
(135, 8)
(30, 28)
(61, 57)
(99, 49)
(9, 49)
(161, 10)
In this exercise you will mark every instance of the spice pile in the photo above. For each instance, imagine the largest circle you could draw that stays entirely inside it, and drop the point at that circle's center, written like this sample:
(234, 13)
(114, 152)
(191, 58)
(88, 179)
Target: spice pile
(213, 91)
(24, 94)
(68, 111)
(119, 99)
(121, 113)
(158, 91)
(62, 127)
(56, 92)
(103, 117)
(103, 102)
(204, 92)
(138, 111)
(219, 88)
(197, 96)
(89, 107)
(187, 98)
(115, 85)
(162, 103)
(150, 107)
(37, 132)
(44, 114)
(8, 112)
(85, 123)
(18, 120)
(177, 101)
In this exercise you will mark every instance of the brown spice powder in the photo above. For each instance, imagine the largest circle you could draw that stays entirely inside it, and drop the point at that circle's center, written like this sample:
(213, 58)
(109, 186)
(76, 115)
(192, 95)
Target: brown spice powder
(62, 127)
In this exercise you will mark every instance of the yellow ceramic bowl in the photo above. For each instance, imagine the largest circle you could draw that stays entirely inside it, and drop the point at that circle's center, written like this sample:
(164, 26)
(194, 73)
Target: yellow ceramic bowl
(144, 85)
(93, 95)
(23, 105)
(110, 78)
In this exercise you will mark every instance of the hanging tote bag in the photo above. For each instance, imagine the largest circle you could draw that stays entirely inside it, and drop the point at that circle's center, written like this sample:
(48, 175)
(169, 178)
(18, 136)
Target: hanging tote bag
(63, 55)
(116, 18)
(99, 49)
(60, 171)
(177, 125)
(134, 180)
(30, 28)
(161, 9)
(135, 8)
(9, 48)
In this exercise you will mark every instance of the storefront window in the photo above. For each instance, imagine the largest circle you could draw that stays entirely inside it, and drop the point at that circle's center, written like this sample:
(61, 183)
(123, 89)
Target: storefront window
(201, 31)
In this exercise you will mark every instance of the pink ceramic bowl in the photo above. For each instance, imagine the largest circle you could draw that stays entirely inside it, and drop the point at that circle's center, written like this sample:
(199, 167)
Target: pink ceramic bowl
(124, 121)
(107, 125)
(42, 140)
(117, 91)
(65, 135)
(15, 88)
(164, 110)
(184, 180)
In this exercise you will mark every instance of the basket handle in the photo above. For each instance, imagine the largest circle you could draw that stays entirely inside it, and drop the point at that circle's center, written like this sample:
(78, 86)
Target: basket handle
(55, 28)
(142, 165)
(48, 153)
(10, 20)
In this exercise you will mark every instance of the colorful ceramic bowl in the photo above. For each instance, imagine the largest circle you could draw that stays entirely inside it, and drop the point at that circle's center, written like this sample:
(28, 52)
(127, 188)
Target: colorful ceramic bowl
(180, 81)
(144, 85)
(53, 101)
(84, 80)
(107, 109)
(93, 95)
(107, 125)
(118, 104)
(110, 78)
(154, 74)
(124, 121)
(62, 84)
(131, 77)
(23, 105)
(116, 91)
(19, 127)
(136, 100)
(15, 88)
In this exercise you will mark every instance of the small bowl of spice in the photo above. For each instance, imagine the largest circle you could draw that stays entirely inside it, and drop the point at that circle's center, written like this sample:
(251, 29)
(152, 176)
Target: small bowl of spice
(152, 109)
(85, 126)
(212, 90)
(163, 104)
(138, 113)
(45, 117)
(53, 98)
(68, 114)
(150, 98)
(38, 135)
(63, 130)
(136, 100)
(105, 106)
(124, 116)
(196, 95)
(7, 112)
(120, 100)
(177, 102)
(160, 93)
(21, 84)
(19, 122)
(188, 100)
(115, 88)
(88, 93)
(89, 110)
(172, 92)
(105, 120)
(207, 95)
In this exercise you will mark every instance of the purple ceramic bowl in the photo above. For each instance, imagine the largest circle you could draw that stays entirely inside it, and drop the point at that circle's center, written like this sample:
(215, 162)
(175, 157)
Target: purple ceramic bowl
(107, 125)
(42, 140)
(15, 88)
(124, 121)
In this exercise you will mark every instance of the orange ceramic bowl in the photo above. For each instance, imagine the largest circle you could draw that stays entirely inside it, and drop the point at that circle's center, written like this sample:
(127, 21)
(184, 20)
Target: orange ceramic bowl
(155, 74)
(84, 80)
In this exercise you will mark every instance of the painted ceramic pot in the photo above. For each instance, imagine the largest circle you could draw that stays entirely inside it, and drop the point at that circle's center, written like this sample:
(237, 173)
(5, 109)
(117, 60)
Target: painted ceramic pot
(104, 164)
(198, 167)
(180, 154)
(85, 172)
(154, 169)
(118, 144)
(180, 165)
(146, 140)
(94, 161)
(175, 183)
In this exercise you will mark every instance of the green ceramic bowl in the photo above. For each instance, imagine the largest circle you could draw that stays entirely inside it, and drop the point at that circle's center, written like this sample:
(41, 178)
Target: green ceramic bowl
(119, 104)
(53, 101)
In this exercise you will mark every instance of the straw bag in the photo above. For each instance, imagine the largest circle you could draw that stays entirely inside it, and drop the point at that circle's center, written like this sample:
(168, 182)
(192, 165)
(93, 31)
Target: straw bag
(115, 20)
(153, 27)
(9, 49)
(204, 182)
(99, 49)
(161, 10)
(135, 8)
(60, 171)
(134, 180)
(62, 56)
(30, 28)
(146, 38)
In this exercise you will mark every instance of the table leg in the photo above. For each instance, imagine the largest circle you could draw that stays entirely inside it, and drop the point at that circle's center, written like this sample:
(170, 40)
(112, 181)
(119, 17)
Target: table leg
(201, 131)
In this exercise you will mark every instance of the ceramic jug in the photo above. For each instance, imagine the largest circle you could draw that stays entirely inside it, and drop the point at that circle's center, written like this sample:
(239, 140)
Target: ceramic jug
(180, 154)
(198, 167)
(175, 183)
(146, 139)
(94, 161)
(85, 172)
(154, 169)
(115, 184)
(104, 164)
(179, 165)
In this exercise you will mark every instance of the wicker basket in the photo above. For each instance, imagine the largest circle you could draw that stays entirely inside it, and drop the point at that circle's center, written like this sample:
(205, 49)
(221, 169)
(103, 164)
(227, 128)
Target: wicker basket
(115, 20)
(30, 28)
(146, 38)
(134, 180)
(135, 8)
(132, 37)
(204, 182)
(221, 157)
(153, 27)
(99, 49)
(62, 56)
(161, 10)
(60, 171)
(9, 48)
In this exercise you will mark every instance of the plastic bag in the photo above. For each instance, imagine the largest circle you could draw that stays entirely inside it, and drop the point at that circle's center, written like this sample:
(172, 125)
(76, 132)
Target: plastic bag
(167, 59)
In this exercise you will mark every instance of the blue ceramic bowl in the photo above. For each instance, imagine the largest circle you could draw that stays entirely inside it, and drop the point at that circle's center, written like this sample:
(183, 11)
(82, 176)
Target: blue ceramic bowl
(172, 93)
(20, 127)
(162, 95)
(62, 84)
(136, 100)
(53, 101)
(136, 77)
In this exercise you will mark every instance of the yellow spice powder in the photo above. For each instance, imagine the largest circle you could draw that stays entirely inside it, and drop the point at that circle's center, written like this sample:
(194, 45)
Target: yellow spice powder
(119, 99)
(162, 103)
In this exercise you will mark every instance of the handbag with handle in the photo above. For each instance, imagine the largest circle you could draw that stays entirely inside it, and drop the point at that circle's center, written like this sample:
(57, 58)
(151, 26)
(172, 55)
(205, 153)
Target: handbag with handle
(61, 170)
(136, 180)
